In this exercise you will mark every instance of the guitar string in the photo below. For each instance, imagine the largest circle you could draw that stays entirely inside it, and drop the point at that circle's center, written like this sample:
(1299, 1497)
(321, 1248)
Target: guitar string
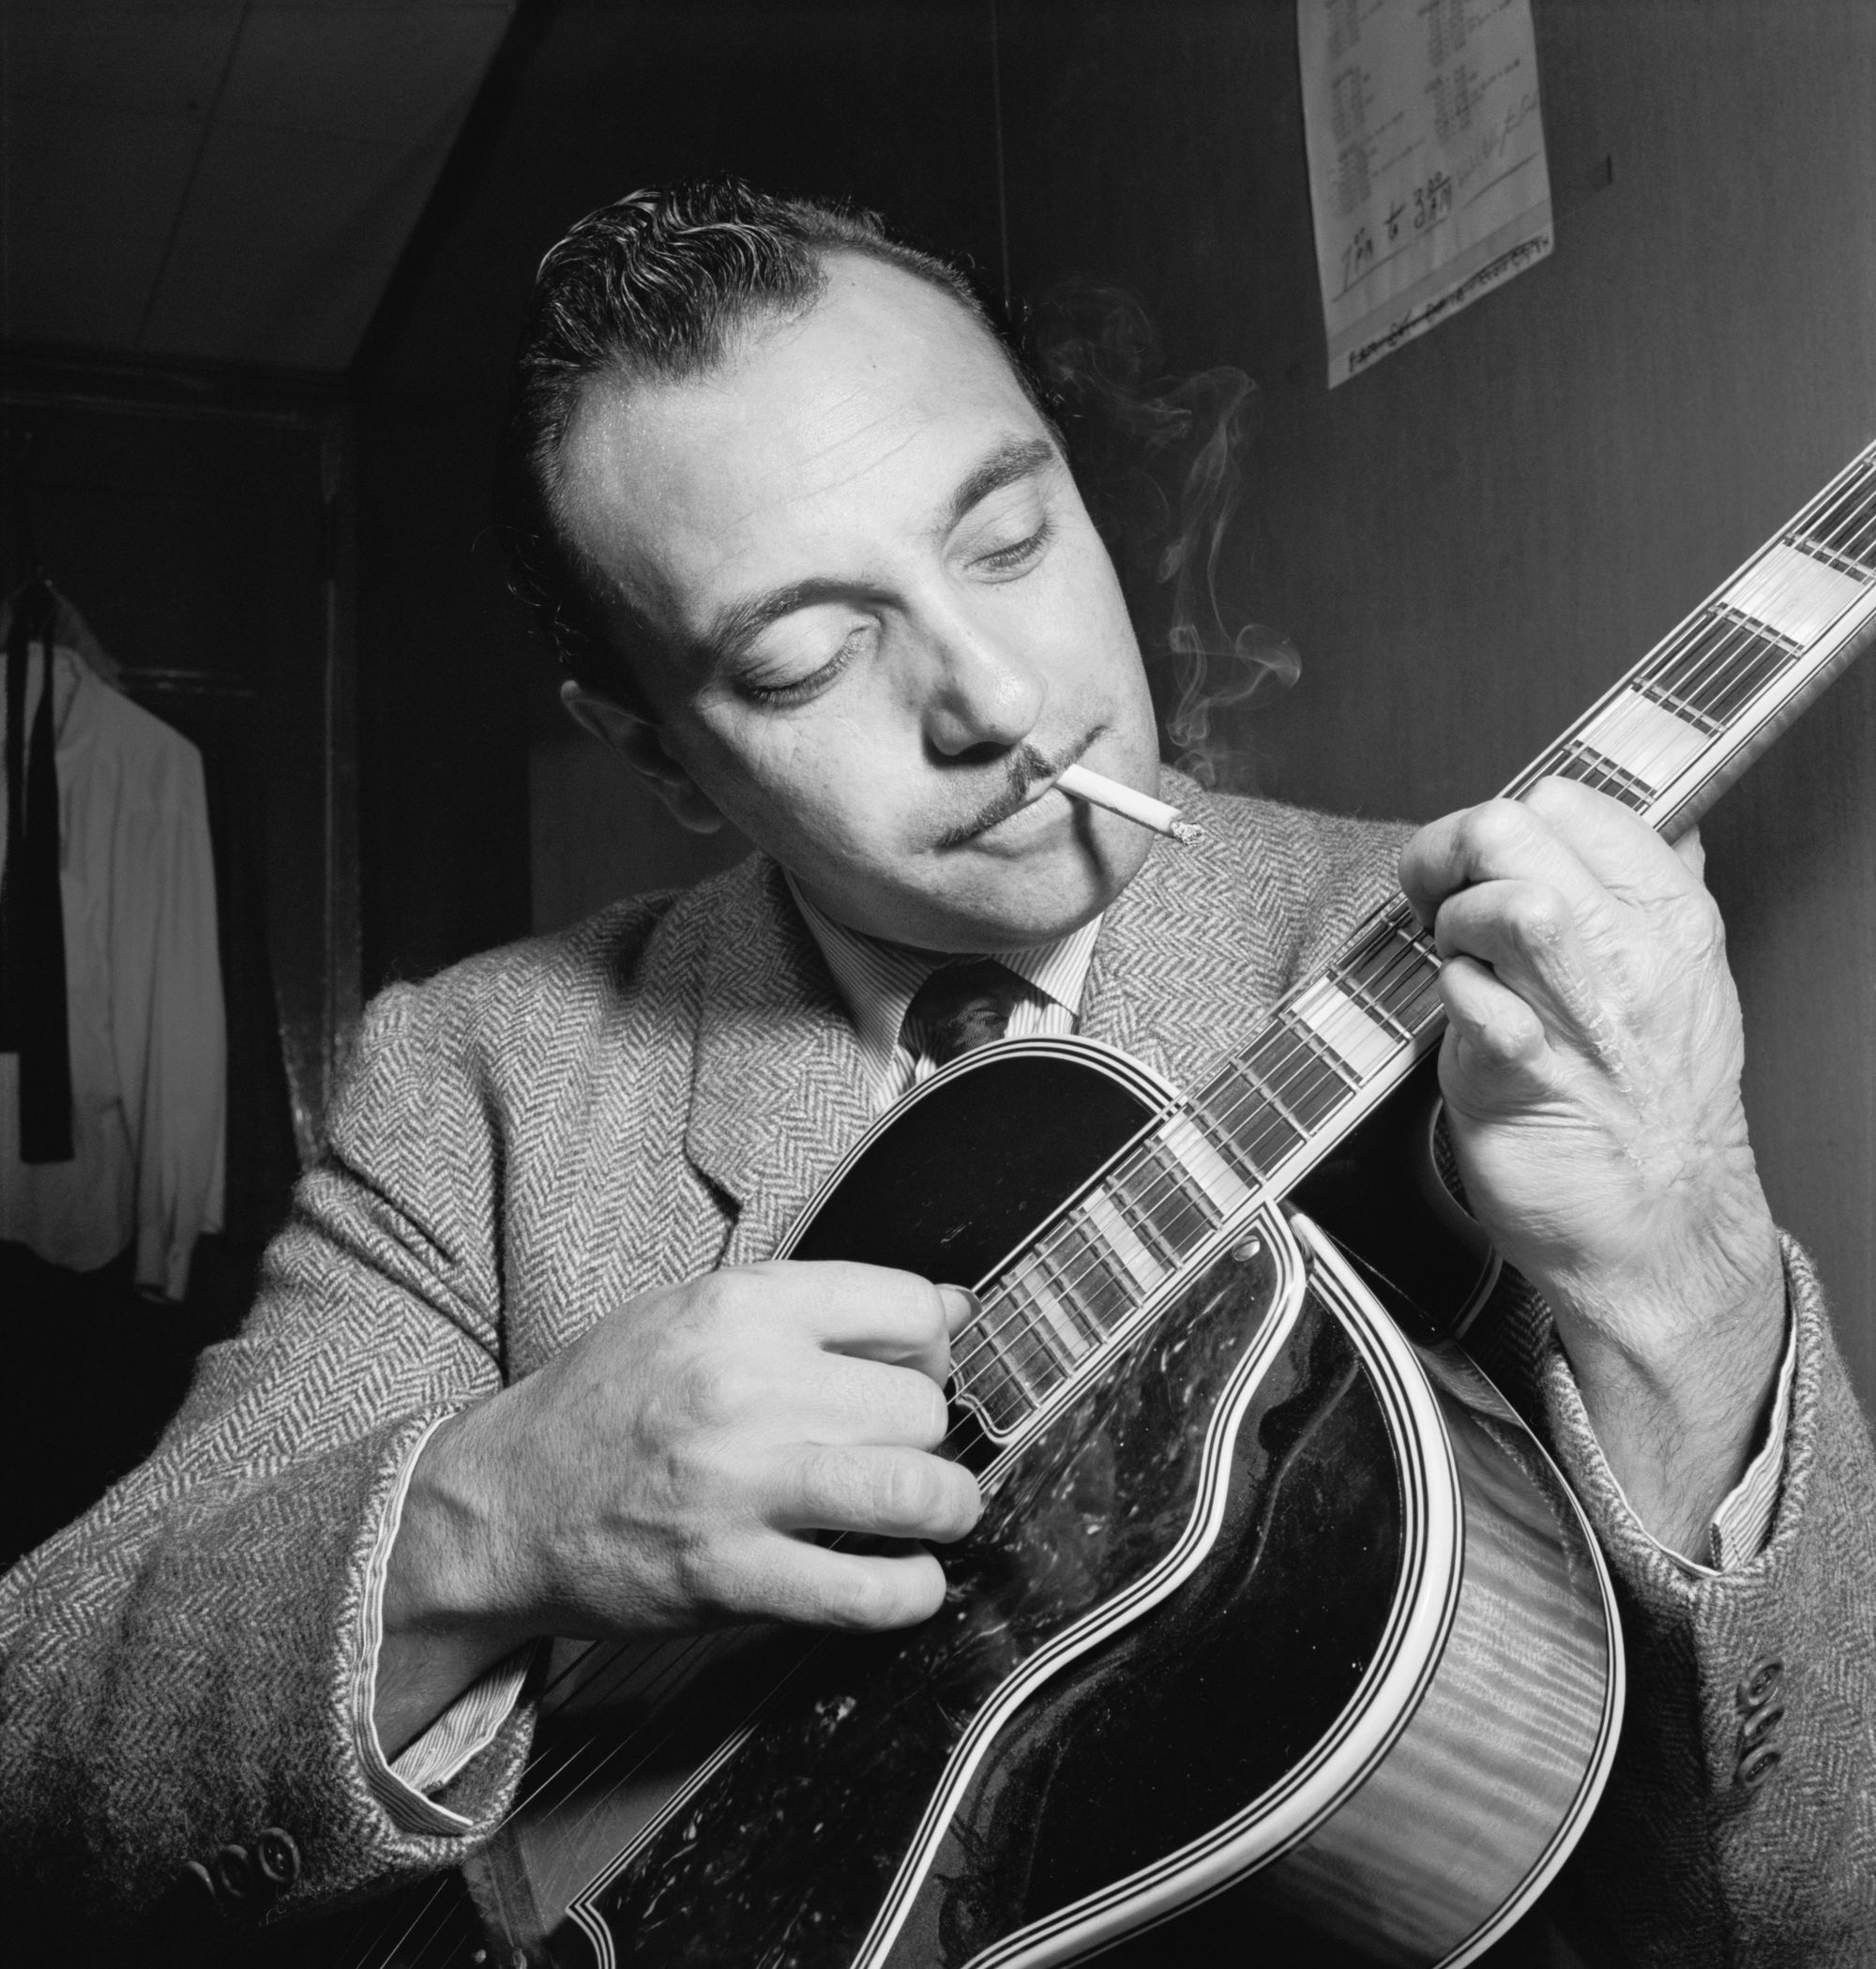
(1737, 647)
(1698, 685)
(1193, 1116)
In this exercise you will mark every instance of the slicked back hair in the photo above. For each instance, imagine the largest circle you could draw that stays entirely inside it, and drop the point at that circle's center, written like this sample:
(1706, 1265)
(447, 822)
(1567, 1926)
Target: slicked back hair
(655, 287)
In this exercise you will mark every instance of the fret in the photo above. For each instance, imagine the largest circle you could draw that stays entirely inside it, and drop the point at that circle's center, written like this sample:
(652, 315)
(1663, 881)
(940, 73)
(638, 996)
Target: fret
(1647, 743)
(1844, 527)
(1106, 1217)
(1302, 1087)
(983, 1375)
(1221, 1109)
(1353, 1038)
(1055, 1330)
(1722, 665)
(1576, 761)
(1187, 1141)
(1793, 593)
(1091, 1277)
(1422, 1003)
(1006, 1341)
(1251, 1117)
(1288, 1019)
(1174, 1215)
(1369, 994)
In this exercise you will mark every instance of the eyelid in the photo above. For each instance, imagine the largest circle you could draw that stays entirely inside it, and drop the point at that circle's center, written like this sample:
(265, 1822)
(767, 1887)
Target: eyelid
(799, 690)
(1019, 550)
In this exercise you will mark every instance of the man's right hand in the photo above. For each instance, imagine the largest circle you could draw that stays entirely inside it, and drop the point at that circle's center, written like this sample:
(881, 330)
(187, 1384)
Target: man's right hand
(669, 1470)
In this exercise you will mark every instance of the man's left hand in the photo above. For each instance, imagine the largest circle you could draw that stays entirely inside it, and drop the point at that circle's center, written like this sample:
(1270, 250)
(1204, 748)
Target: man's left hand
(1591, 1073)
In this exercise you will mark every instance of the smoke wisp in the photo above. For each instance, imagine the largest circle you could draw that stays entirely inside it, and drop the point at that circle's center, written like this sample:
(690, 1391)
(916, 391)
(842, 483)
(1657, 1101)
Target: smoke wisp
(1158, 461)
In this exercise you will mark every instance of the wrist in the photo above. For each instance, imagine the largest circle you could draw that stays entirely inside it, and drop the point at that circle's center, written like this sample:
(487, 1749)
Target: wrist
(450, 1607)
(1678, 1397)
(452, 1568)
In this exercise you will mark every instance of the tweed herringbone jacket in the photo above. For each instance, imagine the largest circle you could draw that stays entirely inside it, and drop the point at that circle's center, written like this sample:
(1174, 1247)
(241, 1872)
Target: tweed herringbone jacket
(528, 1142)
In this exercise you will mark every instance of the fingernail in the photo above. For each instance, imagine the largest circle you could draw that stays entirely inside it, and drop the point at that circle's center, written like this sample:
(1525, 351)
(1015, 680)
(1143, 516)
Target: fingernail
(960, 1306)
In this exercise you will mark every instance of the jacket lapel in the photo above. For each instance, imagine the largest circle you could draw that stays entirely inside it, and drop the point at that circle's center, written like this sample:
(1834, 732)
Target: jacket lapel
(778, 1089)
(1184, 967)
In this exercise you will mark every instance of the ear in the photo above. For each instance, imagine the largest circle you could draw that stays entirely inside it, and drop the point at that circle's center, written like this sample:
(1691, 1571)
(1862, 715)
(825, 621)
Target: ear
(640, 743)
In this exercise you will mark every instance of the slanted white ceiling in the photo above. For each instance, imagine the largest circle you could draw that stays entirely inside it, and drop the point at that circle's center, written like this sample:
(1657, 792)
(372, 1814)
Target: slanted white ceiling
(233, 179)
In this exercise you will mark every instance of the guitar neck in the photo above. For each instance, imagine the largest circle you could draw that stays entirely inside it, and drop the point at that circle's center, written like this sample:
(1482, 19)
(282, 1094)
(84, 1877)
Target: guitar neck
(1667, 740)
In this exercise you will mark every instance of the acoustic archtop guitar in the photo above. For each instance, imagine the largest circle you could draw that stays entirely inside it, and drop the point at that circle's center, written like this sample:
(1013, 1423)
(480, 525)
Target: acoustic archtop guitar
(1275, 1603)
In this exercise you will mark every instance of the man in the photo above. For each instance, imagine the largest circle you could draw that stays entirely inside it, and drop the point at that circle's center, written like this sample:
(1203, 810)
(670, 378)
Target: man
(520, 1366)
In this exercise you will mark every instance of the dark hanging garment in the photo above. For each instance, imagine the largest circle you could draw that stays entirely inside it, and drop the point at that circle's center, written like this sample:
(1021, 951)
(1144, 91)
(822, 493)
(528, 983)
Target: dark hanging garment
(32, 910)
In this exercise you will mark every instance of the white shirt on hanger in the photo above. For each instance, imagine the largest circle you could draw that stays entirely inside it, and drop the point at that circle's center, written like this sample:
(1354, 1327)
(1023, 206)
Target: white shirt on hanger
(143, 1005)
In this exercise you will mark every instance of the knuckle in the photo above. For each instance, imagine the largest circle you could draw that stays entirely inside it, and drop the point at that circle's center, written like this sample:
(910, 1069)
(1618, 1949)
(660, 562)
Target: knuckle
(707, 1577)
(1538, 914)
(858, 1597)
(926, 1414)
(1497, 831)
(830, 1494)
(908, 1492)
(963, 1503)
(703, 1394)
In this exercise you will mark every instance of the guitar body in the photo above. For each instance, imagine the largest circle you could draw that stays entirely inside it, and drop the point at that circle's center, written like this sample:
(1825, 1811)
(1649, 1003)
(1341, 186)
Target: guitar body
(1266, 1605)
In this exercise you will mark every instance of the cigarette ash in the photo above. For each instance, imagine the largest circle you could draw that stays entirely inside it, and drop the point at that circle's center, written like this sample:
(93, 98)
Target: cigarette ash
(1158, 461)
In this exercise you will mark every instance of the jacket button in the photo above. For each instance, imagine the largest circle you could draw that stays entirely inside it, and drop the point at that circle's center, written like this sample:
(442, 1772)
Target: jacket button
(195, 1885)
(1755, 1767)
(277, 1857)
(232, 1873)
(1762, 1722)
(1760, 1680)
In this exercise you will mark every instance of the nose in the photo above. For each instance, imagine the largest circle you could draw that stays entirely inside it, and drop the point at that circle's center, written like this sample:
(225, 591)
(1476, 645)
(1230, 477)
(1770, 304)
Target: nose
(982, 696)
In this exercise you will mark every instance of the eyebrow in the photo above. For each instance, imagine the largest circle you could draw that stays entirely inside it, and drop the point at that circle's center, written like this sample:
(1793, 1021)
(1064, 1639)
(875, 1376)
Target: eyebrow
(1015, 459)
(737, 625)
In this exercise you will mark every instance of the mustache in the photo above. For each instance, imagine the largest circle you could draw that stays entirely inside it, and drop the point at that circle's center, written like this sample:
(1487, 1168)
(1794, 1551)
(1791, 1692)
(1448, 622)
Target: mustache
(1026, 767)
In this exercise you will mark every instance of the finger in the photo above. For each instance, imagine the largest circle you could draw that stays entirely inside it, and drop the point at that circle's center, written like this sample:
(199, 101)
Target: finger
(1620, 849)
(1692, 851)
(1492, 1030)
(1500, 840)
(1527, 935)
(880, 1313)
(851, 1399)
(892, 1493)
(842, 1589)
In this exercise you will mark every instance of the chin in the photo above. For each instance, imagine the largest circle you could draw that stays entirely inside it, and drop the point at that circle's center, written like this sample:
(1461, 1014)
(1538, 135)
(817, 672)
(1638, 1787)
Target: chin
(1034, 906)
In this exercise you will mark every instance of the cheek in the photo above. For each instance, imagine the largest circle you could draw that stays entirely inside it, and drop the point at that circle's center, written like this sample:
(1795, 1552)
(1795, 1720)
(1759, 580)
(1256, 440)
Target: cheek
(812, 790)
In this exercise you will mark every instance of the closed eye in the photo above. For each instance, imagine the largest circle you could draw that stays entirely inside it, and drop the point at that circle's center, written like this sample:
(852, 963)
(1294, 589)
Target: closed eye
(1019, 553)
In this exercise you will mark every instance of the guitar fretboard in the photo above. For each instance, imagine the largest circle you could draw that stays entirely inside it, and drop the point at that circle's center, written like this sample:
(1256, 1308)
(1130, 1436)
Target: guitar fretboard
(1666, 740)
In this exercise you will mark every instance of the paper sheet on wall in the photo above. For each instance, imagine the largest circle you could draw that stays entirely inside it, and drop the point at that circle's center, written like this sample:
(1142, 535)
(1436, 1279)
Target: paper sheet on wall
(1427, 168)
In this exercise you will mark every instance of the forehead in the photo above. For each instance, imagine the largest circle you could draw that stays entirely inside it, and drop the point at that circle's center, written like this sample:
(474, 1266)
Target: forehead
(821, 447)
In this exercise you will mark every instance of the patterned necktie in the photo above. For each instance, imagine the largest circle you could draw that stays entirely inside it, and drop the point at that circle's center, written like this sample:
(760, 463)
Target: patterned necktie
(959, 1007)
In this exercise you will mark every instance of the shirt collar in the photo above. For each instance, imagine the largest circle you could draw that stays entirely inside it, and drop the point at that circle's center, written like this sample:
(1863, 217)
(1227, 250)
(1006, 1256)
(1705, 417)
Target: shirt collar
(876, 979)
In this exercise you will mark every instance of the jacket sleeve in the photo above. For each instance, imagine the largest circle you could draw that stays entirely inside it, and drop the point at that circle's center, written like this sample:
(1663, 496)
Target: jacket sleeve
(176, 1668)
(1739, 1826)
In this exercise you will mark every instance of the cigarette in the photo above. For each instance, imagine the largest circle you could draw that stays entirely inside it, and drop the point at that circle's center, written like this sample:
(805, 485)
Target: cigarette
(1116, 798)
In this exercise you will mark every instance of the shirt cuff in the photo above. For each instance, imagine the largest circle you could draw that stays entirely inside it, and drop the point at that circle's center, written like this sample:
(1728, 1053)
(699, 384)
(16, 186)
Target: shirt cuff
(1743, 1523)
(468, 1725)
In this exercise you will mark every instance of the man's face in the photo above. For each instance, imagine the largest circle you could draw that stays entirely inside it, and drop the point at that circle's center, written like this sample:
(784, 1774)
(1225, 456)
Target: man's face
(888, 621)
